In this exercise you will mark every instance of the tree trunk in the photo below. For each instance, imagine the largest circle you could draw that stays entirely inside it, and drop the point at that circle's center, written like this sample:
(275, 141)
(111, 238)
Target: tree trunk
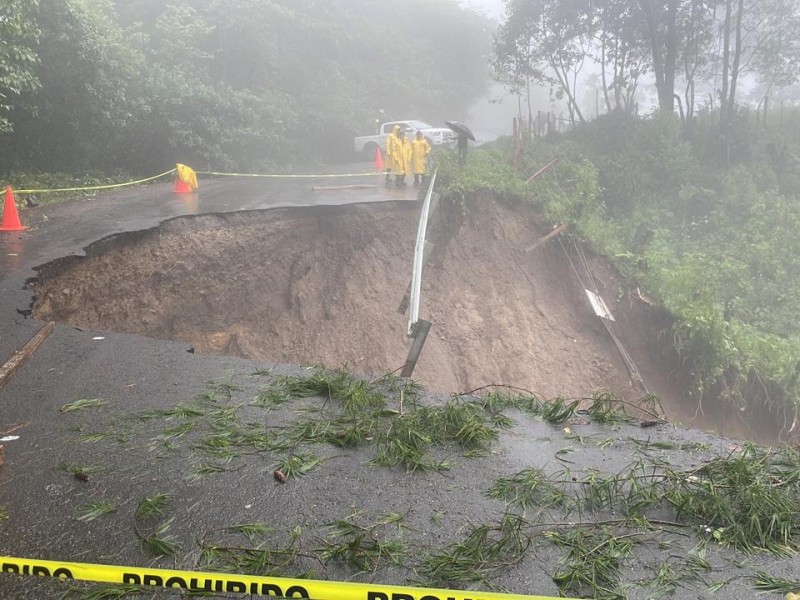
(726, 60)
(603, 71)
(664, 49)
(563, 79)
(737, 58)
(671, 58)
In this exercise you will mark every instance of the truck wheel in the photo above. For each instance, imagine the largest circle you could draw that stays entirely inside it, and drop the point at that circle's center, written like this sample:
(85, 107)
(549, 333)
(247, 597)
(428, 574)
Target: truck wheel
(369, 150)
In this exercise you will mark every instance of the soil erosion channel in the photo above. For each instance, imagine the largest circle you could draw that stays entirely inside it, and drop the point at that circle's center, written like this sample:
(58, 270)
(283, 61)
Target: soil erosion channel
(324, 285)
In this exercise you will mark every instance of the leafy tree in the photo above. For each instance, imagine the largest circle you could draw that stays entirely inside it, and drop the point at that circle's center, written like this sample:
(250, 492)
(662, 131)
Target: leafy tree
(697, 25)
(88, 91)
(546, 41)
(18, 33)
(661, 17)
(138, 84)
(759, 38)
(622, 50)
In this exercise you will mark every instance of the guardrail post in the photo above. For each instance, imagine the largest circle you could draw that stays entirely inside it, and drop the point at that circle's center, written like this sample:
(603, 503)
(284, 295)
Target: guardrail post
(421, 329)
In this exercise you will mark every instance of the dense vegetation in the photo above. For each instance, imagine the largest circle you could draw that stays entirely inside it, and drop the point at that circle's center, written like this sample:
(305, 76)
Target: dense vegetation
(697, 203)
(138, 85)
(715, 243)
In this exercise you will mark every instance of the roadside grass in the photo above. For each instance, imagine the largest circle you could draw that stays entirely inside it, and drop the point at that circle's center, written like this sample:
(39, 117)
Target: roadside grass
(95, 509)
(764, 582)
(101, 591)
(20, 180)
(299, 464)
(153, 533)
(82, 404)
(593, 561)
(160, 543)
(486, 550)
(153, 506)
(223, 550)
(596, 522)
(365, 547)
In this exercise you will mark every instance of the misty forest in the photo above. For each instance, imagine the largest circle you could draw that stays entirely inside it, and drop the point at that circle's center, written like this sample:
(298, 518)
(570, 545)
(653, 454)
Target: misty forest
(678, 135)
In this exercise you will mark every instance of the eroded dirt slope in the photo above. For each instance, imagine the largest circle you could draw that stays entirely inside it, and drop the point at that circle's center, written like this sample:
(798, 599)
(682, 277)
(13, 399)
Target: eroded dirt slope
(323, 286)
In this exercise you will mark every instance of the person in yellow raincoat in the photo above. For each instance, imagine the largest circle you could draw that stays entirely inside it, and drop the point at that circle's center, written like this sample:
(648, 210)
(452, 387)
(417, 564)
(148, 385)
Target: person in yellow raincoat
(420, 149)
(391, 152)
(402, 159)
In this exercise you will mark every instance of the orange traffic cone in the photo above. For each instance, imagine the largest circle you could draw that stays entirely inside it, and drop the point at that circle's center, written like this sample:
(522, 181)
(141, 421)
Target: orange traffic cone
(11, 220)
(185, 179)
(181, 187)
(378, 160)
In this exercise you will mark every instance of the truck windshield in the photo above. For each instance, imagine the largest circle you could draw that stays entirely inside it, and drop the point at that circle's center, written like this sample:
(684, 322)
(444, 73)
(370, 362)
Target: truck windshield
(418, 125)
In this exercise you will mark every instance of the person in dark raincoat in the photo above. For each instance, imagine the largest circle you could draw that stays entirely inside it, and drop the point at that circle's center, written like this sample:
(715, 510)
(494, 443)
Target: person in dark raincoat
(463, 146)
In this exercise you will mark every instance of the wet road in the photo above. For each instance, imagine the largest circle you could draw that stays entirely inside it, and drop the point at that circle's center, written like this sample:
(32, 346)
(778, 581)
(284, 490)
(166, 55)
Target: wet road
(131, 372)
(65, 228)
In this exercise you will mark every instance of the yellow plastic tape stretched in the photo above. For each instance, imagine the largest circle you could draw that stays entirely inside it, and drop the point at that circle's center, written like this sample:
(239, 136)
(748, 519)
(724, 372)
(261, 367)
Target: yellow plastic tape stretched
(96, 187)
(289, 176)
(241, 584)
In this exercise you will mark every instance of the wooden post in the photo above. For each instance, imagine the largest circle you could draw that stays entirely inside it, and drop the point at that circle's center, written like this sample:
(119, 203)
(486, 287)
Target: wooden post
(420, 334)
(20, 356)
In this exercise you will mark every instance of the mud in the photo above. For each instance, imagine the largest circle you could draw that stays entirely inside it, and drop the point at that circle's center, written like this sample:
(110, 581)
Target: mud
(324, 285)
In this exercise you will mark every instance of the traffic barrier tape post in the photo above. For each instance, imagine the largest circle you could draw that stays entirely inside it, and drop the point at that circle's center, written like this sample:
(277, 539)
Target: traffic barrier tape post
(242, 584)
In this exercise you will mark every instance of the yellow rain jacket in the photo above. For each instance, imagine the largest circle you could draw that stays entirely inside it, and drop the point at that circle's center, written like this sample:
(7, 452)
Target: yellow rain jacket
(402, 164)
(391, 149)
(420, 149)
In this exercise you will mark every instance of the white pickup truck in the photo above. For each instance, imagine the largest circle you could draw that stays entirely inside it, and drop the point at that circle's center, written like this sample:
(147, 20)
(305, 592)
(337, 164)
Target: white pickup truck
(437, 137)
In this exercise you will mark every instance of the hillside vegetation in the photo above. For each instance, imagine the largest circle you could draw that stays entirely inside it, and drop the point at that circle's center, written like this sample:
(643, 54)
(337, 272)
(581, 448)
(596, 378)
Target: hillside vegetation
(137, 85)
(716, 244)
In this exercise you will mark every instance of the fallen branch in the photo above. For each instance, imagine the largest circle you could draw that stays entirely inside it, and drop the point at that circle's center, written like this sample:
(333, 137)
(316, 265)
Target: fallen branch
(20, 356)
(15, 428)
(542, 170)
(543, 239)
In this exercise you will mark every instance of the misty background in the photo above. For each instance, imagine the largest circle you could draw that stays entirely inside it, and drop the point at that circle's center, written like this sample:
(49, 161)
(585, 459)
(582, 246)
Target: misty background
(136, 85)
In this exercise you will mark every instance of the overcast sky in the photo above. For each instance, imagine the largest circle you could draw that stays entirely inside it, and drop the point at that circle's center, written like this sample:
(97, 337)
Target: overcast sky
(492, 8)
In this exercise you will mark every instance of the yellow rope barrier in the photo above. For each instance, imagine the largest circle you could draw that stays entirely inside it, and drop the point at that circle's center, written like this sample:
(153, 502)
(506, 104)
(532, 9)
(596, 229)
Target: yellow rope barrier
(287, 176)
(171, 171)
(96, 187)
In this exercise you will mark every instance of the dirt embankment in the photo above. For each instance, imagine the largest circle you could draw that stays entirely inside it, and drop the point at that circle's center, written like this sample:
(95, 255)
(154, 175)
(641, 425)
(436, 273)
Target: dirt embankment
(323, 286)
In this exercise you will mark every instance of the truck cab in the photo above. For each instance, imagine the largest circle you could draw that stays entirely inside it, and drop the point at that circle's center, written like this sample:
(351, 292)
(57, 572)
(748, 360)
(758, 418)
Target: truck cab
(438, 137)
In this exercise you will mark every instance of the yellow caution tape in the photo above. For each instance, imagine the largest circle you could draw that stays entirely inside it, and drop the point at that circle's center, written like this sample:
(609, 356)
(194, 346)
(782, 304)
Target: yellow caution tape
(171, 171)
(96, 187)
(241, 584)
(289, 176)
